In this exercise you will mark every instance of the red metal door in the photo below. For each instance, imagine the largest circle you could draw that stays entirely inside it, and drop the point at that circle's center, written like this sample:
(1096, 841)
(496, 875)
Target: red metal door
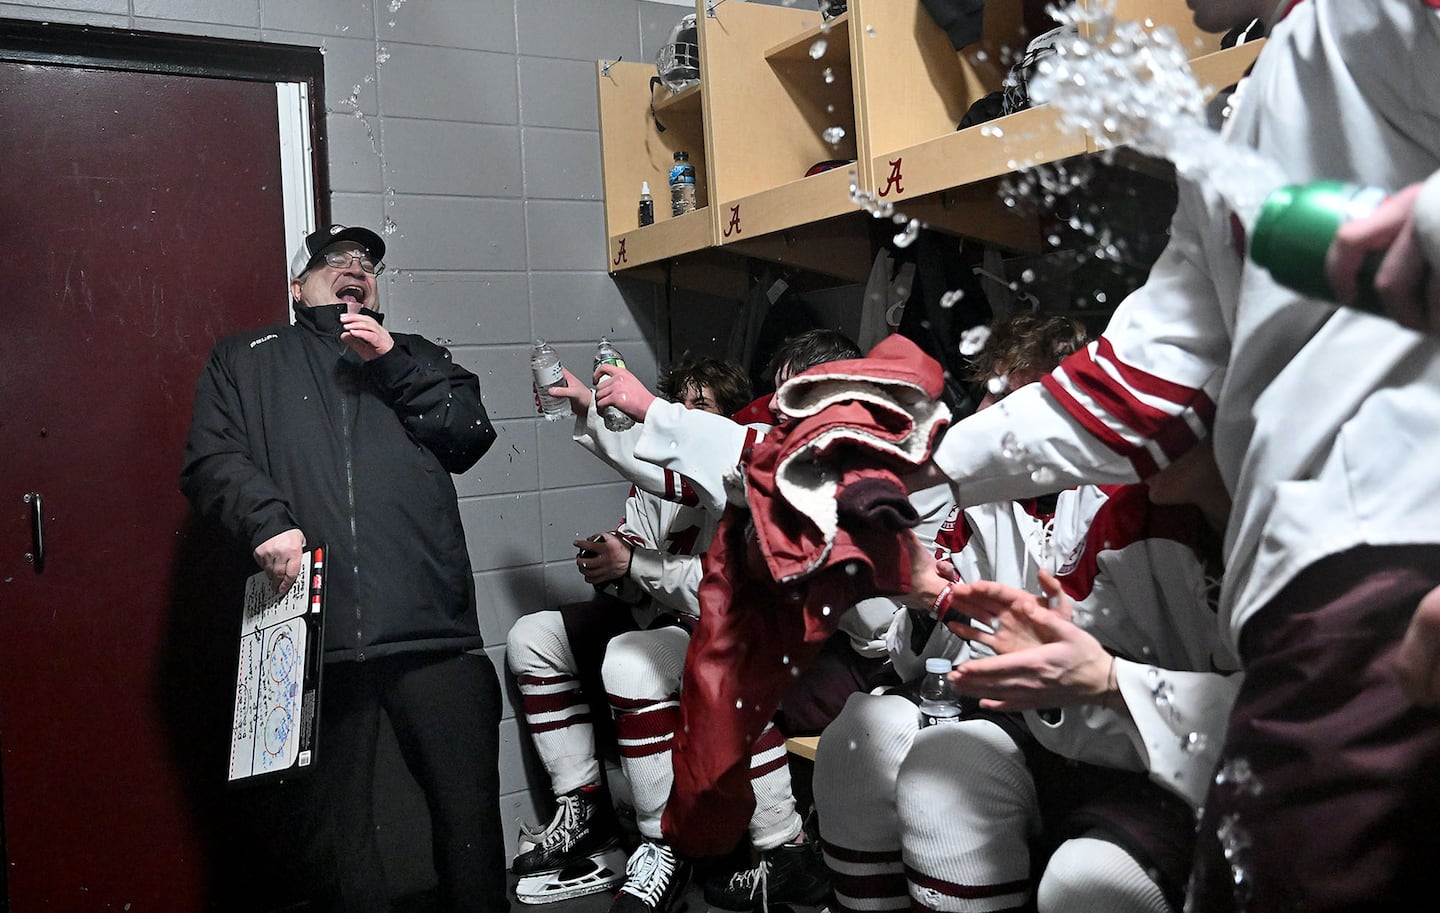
(140, 219)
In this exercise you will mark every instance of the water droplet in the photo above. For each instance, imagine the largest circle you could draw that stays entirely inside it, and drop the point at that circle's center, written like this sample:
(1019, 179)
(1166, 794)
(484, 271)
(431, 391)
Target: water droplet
(833, 135)
(817, 50)
(973, 340)
(908, 236)
(828, 74)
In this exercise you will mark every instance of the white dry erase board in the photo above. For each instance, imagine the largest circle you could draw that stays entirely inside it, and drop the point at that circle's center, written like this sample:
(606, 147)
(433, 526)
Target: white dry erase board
(277, 679)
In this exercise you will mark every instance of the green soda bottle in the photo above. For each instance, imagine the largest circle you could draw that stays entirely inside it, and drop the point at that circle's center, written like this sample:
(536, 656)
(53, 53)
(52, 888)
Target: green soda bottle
(1296, 225)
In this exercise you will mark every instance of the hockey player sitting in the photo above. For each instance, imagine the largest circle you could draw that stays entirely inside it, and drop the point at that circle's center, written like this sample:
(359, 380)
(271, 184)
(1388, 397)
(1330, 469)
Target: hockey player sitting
(642, 572)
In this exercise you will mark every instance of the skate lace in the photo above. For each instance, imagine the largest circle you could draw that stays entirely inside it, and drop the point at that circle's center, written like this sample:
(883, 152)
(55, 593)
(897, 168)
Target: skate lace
(567, 826)
(648, 873)
(748, 881)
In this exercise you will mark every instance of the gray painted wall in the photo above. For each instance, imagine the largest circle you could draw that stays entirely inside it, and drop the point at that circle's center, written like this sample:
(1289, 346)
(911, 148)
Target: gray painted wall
(471, 126)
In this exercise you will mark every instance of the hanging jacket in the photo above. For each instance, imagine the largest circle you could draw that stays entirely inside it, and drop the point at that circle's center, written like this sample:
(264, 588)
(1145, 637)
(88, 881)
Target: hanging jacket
(291, 429)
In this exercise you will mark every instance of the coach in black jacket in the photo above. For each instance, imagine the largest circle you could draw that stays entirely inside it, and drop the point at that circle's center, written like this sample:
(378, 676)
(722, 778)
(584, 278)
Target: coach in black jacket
(334, 431)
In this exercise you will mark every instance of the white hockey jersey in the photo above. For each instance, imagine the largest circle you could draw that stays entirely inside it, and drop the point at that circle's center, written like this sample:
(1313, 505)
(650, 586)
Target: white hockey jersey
(1320, 416)
(1140, 587)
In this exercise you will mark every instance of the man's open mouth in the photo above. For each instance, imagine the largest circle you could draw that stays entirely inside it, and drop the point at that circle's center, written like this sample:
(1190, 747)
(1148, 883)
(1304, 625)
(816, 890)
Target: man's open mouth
(354, 293)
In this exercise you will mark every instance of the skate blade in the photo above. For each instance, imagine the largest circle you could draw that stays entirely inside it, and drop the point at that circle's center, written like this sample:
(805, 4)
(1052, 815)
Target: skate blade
(595, 873)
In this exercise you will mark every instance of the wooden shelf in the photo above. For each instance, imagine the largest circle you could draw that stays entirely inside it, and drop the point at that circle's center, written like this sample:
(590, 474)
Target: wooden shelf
(634, 151)
(806, 199)
(1221, 69)
(673, 237)
(888, 84)
(686, 102)
(835, 32)
(977, 153)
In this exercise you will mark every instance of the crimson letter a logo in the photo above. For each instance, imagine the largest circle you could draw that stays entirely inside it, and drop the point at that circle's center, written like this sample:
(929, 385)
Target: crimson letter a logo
(893, 180)
(734, 227)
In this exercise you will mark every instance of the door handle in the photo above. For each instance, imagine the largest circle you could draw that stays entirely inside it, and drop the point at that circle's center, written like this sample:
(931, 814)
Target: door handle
(36, 556)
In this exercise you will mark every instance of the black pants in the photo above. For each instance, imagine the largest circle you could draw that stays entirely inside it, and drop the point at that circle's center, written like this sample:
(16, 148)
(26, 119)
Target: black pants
(445, 710)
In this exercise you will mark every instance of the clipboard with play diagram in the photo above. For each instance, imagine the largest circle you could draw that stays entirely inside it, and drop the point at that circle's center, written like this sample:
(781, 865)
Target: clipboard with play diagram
(277, 678)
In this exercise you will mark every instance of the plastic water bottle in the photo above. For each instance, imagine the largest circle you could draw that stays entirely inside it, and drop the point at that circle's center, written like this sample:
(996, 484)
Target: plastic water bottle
(682, 185)
(938, 702)
(607, 354)
(545, 367)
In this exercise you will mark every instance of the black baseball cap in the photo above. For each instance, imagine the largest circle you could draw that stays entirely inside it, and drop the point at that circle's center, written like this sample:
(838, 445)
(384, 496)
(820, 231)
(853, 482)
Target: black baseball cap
(315, 243)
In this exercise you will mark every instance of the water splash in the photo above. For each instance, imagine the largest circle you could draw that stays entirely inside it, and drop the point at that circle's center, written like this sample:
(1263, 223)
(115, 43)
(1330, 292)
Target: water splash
(833, 135)
(908, 235)
(878, 208)
(1235, 843)
(1126, 85)
(973, 340)
(1235, 773)
(1163, 693)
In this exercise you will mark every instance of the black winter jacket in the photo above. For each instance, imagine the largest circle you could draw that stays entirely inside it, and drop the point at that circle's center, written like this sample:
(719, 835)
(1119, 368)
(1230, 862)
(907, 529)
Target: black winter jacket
(292, 430)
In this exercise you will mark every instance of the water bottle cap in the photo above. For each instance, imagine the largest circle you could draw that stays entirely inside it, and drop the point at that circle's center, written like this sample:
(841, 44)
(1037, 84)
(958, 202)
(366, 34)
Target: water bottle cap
(938, 664)
(682, 156)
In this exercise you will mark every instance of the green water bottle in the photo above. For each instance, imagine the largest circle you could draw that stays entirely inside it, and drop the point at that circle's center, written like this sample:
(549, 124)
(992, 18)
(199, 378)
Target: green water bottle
(1296, 225)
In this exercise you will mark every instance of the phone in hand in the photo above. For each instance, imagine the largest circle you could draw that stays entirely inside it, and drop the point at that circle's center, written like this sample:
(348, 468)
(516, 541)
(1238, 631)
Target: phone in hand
(586, 553)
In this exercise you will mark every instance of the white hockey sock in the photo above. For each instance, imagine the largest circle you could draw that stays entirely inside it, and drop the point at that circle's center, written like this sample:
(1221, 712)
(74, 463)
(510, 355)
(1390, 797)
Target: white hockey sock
(642, 674)
(967, 805)
(774, 820)
(1092, 875)
(556, 711)
(854, 786)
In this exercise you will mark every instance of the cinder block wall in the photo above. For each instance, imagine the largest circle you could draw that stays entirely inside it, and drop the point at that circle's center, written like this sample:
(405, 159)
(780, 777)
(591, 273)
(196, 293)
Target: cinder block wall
(471, 126)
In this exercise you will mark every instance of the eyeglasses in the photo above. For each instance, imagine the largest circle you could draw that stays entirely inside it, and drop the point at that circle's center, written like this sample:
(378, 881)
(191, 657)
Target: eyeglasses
(340, 259)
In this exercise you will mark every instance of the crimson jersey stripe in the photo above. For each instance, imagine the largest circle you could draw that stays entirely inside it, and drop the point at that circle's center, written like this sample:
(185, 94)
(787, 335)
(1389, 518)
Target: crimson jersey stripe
(1147, 383)
(1115, 399)
(1139, 458)
(1170, 430)
(679, 490)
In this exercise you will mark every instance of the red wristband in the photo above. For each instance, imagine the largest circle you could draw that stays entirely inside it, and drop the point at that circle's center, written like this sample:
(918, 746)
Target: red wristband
(942, 600)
